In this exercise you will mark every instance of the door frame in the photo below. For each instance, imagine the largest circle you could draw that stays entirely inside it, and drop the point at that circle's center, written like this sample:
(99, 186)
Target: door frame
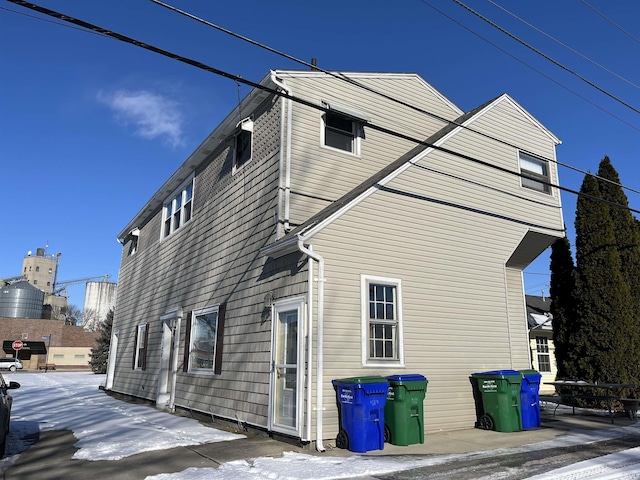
(165, 391)
(299, 304)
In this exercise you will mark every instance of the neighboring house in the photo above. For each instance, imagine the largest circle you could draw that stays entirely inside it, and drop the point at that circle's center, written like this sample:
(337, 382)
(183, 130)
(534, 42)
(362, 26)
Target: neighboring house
(297, 245)
(543, 357)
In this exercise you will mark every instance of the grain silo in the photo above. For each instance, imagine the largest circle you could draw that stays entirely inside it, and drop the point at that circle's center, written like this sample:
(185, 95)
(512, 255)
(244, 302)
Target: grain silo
(99, 298)
(21, 300)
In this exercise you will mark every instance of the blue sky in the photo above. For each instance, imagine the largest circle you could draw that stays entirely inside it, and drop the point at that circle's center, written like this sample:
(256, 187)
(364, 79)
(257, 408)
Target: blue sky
(91, 127)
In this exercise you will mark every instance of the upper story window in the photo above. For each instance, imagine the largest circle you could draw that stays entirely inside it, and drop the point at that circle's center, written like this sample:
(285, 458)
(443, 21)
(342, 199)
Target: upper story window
(343, 128)
(37, 269)
(535, 173)
(381, 321)
(243, 144)
(178, 209)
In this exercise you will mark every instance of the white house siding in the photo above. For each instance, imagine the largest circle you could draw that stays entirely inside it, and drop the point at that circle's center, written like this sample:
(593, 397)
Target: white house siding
(212, 259)
(448, 240)
(320, 175)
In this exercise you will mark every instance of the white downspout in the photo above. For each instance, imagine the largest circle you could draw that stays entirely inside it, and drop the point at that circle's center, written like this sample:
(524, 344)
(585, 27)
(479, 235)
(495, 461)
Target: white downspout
(319, 359)
(287, 166)
(309, 351)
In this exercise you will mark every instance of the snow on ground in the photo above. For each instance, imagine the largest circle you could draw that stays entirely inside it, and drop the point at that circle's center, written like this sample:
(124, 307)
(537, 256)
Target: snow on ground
(110, 429)
(106, 428)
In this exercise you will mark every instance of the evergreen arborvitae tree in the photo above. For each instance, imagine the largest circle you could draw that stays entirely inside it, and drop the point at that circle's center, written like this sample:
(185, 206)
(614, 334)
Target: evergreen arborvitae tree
(100, 354)
(563, 308)
(624, 224)
(603, 301)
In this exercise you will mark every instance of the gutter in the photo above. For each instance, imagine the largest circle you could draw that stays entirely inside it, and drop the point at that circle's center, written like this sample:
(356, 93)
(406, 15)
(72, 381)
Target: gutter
(319, 357)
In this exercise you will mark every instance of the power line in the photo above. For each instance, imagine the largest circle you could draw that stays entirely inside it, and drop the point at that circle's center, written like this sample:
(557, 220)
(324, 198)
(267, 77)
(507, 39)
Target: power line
(343, 77)
(322, 108)
(547, 57)
(611, 21)
(564, 45)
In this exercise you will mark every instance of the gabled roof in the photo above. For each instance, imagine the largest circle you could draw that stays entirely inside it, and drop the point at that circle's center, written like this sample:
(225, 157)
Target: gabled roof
(326, 216)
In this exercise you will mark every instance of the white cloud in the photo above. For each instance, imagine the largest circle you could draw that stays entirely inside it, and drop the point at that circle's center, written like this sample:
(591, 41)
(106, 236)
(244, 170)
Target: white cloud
(152, 115)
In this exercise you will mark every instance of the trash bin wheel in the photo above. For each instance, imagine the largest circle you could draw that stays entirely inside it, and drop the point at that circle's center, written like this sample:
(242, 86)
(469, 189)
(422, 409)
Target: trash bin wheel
(485, 422)
(342, 440)
(387, 434)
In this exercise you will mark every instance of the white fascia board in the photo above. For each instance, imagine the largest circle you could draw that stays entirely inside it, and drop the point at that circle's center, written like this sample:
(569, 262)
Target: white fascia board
(213, 140)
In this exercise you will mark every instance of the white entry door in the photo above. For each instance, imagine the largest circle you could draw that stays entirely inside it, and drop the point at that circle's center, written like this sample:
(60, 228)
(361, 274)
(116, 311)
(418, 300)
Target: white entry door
(286, 371)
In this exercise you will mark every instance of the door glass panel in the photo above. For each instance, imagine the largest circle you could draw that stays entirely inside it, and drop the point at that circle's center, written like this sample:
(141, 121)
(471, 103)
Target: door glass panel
(286, 369)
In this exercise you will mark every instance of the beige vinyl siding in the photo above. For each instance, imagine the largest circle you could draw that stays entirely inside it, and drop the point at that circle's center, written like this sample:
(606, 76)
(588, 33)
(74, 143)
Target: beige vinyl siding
(320, 175)
(448, 240)
(214, 259)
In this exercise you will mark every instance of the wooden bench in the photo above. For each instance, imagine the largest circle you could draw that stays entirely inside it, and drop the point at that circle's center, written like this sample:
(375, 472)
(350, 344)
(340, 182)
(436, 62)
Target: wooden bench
(47, 366)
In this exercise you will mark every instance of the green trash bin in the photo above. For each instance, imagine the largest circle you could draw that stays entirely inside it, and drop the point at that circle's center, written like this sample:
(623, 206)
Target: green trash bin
(404, 410)
(500, 392)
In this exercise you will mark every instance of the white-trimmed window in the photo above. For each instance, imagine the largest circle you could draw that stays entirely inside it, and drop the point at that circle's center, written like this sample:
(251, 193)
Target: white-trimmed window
(535, 173)
(203, 338)
(243, 144)
(342, 128)
(382, 321)
(178, 208)
(142, 338)
(544, 357)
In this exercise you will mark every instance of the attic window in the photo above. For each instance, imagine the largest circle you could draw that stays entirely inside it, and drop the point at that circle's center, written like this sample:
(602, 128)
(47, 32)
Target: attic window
(342, 128)
(243, 144)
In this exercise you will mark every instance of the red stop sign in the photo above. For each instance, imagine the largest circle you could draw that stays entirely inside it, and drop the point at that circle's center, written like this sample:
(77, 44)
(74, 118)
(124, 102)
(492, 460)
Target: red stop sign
(17, 345)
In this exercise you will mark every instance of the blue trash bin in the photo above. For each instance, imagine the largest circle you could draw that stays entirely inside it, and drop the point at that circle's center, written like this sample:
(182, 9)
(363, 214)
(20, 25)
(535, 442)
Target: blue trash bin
(530, 399)
(361, 402)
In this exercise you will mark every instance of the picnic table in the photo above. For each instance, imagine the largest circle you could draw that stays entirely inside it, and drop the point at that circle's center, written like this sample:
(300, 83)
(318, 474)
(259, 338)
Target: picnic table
(571, 390)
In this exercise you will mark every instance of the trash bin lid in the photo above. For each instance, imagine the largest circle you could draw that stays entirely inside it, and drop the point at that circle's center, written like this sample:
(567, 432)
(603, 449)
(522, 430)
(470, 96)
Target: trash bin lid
(360, 380)
(407, 377)
(497, 373)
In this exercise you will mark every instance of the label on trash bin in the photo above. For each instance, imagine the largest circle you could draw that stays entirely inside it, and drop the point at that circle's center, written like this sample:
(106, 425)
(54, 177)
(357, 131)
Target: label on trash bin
(391, 394)
(489, 386)
(346, 395)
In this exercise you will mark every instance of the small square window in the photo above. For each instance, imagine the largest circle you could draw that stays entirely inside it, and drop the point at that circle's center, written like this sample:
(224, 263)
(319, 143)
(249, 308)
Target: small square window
(535, 173)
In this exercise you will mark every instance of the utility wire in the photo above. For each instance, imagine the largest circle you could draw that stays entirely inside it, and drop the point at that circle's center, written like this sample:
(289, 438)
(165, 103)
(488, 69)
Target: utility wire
(547, 57)
(564, 45)
(343, 77)
(611, 21)
(279, 93)
(52, 22)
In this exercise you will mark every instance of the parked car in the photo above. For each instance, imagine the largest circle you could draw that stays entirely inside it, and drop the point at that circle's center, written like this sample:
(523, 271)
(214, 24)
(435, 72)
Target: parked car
(11, 364)
(6, 401)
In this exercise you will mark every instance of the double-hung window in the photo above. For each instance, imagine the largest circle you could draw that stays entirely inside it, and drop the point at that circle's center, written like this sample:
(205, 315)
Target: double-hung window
(381, 321)
(178, 208)
(203, 339)
(535, 173)
(544, 357)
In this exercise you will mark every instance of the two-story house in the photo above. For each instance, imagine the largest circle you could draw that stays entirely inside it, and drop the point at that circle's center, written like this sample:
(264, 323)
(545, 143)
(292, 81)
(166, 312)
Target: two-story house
(310, 237)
